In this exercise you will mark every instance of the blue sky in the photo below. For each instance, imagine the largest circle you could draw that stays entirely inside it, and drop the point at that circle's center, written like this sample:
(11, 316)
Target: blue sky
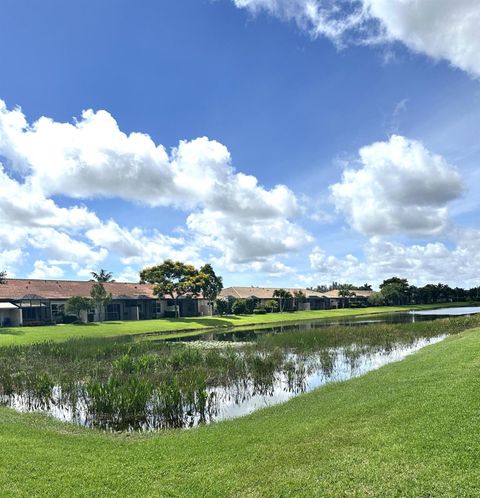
(284, 94)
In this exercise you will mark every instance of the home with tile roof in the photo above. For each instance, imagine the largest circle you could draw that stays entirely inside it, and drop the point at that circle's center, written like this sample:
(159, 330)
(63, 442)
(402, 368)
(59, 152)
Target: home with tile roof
(309, 300)
(30, 301)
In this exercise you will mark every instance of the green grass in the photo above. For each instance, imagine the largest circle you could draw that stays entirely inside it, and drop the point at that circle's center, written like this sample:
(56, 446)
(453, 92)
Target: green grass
(408, 429)
(172, 327)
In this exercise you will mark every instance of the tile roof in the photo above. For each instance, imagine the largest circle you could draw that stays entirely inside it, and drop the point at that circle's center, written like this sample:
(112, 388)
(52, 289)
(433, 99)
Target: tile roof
(263, 292)
(358, 293)
(64, 289)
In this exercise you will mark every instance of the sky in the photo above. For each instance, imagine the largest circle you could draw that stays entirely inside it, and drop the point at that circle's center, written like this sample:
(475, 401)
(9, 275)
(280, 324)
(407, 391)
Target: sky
(286, 142)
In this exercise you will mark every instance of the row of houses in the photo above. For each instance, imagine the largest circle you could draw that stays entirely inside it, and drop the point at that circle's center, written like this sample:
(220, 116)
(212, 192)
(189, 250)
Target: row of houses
(29, 301)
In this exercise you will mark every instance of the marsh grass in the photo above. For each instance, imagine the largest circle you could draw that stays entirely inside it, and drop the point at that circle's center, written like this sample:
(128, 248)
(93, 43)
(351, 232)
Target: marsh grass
(126, 384)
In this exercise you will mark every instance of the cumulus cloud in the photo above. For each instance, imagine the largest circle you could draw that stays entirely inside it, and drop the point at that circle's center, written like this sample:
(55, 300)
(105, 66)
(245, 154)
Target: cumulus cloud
(43, 270)
(399, 187)
(442, 29)
(62, 248)
(419, 263)
(92, 158)
(10, 259)
(243, 242)
(332, 268)
(141, 247)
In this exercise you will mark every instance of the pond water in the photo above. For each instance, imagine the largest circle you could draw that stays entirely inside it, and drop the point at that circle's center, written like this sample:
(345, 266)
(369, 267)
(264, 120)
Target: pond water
(442, 312)
(152, 385)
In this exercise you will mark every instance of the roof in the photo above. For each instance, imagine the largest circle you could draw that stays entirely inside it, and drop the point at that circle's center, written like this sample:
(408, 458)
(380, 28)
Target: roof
(16, 289)
(358, 293)
(264, 292)
(8, 306)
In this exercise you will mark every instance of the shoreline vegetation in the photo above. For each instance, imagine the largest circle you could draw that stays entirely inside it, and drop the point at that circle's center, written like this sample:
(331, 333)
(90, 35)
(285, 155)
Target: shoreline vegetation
(169, 328)
(403, 430)
(123, 384)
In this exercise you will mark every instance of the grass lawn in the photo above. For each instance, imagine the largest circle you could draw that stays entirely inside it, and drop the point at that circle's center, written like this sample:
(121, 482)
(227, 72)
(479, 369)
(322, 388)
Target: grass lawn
(172, 326)
(408, 429)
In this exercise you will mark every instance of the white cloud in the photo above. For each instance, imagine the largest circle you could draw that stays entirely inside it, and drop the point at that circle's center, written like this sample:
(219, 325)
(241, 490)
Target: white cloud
(141, 247)
(333, 268)
(43, 270)
(246, 241)
(26, 207)
(93, 158)
(10, 259)
(420, 264)
(61, 247)
(442, 29)
(399, 187)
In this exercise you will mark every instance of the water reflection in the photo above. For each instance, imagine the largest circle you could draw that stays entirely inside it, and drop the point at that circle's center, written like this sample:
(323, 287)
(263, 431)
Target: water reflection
(263, 385)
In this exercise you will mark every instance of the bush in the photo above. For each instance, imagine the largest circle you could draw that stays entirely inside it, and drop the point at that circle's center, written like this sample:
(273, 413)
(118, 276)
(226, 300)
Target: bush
(259, 311)
(69, 319)
(250, 304)
(271, 305)
(357, 304)
(222, 306)
(239, 307)
(169, 314)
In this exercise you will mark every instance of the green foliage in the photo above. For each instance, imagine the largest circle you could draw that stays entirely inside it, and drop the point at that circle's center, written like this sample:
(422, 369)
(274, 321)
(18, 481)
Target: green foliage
(282, 295)
(259, 311)
(222, 306)
(175, 279)
(212, 284)
(250, 304)
(100, 298)
(271, 305)
(76, 304)
(395, 418)
(376, 299)
(239, 307)
(102, 276)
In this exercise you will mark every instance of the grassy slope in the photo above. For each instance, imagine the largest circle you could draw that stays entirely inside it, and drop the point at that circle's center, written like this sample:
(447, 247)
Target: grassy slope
(25, 335)
(408, 429)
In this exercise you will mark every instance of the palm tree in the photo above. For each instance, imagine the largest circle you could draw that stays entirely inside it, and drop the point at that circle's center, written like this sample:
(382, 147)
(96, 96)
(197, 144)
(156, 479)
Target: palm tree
(345, 291)
(282, 295)
(102, 276)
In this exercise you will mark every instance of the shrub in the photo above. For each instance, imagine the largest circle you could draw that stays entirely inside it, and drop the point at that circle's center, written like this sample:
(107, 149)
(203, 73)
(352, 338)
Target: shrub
(221, 306)
(259, 311)
(239, 307)
(271, 305)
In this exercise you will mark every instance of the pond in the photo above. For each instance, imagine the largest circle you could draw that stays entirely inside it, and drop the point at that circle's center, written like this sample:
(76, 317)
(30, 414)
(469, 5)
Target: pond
(127, 384)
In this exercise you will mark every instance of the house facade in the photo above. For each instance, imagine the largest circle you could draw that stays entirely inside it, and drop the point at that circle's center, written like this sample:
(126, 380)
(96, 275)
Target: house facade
(306, 301)
(30, 301)
(310, 300)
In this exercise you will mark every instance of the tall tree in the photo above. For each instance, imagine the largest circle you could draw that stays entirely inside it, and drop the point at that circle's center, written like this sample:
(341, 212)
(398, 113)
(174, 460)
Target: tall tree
(102, 276)
(211, 284)
(299, 297)
(3, 277)
(345, 291)
(395, 290)
(76, 304)
(282, 295)
(366, 287)
(173, 279)
(100, 298)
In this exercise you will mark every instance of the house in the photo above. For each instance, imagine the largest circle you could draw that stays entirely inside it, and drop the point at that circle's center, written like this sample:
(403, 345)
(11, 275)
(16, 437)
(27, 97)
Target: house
(336, 301)
(30, 301)
(311, 300)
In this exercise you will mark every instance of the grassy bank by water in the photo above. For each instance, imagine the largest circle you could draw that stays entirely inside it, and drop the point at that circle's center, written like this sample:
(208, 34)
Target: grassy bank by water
(408, 429)
(171, 326)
